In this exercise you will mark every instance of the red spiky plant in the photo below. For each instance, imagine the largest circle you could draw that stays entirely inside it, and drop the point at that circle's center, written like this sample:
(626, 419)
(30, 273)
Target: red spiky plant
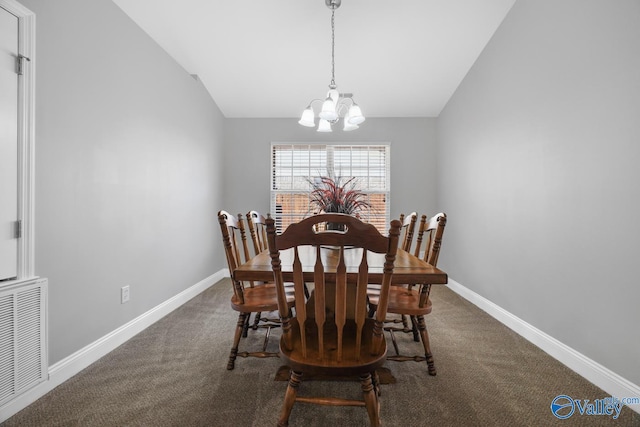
(337, 195)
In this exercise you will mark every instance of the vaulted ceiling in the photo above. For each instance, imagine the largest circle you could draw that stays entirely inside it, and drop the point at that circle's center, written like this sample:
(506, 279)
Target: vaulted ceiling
(258, 58)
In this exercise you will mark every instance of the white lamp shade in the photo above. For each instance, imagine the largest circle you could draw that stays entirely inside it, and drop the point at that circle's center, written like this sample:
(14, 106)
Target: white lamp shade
(348, 126)
(328, 110)
(355, 115)
(324, 126)
(307, 118)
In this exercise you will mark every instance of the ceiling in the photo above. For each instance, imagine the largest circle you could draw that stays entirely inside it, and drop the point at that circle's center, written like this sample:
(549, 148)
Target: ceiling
(268, 59)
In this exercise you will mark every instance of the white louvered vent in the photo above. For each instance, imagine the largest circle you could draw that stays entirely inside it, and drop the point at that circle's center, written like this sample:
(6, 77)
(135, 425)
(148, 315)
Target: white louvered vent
(22, 338)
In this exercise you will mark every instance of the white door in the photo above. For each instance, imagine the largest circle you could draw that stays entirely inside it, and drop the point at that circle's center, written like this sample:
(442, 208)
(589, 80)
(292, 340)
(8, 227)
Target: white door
(8, 144)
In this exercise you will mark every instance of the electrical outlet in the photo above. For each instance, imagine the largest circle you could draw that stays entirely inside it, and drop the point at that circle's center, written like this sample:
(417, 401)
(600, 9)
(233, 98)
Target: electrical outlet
(124, 294)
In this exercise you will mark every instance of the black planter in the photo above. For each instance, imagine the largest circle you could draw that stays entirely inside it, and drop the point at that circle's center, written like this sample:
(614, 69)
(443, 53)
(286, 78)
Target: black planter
(338, 226)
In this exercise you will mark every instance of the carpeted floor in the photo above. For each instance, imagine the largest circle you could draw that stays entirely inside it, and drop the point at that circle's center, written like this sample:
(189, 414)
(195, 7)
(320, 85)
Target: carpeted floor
(174, 374)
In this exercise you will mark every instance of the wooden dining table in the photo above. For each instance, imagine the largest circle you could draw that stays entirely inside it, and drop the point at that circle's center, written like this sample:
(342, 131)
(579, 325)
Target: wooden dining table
(407, 267)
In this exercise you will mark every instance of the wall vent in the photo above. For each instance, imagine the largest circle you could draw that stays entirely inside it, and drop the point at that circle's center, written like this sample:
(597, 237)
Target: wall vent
(23, 349)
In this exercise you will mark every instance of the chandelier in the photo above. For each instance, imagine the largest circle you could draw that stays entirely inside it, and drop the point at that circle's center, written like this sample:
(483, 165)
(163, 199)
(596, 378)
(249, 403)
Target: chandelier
(336, 105)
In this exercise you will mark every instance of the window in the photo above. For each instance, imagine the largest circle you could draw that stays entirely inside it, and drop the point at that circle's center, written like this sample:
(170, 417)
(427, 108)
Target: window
(293, 165)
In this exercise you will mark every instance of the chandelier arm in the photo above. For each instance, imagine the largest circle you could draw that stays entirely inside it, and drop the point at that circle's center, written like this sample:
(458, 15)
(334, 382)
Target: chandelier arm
(344, 97)
(342, 108)
(314, 100)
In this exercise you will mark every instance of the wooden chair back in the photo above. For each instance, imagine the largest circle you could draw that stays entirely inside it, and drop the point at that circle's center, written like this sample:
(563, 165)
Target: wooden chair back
(328, 322)
(408, 228)
(430, 232)
(236, 250)
(258, 231)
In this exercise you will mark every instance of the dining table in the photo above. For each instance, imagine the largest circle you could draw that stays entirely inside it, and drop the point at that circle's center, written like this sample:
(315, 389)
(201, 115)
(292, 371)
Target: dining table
(408, 268)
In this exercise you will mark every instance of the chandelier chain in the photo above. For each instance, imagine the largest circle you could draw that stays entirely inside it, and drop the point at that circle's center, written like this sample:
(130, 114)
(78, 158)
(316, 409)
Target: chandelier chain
(333, 43)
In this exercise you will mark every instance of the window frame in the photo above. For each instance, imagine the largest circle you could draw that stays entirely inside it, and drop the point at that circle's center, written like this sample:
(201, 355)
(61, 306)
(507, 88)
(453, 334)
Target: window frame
(329, 149)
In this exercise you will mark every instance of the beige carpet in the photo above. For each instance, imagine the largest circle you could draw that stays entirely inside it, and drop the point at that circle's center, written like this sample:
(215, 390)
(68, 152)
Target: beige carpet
(173, 374)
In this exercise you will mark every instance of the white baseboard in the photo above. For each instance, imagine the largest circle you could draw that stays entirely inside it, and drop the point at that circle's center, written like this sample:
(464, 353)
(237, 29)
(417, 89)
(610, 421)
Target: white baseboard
(71, 365)
(604, 378)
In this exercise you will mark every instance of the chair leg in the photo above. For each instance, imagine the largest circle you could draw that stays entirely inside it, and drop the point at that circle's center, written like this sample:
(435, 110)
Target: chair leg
(375, 378)
(405, 322)
(236, 341)
(424, 335)
(372, 310)
(256, 320)
(371, 400)
(289, 398)
(414, 329)
(245, 328)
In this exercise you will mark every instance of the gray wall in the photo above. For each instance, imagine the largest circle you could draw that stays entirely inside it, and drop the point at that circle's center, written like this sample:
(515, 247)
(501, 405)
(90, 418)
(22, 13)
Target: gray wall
(413, 157)
(538, 170)
(128, 171)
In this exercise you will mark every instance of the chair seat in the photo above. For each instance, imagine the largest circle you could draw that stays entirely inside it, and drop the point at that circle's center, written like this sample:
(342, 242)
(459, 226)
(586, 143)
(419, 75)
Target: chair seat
(259, 298)
(328, 364)
(403, 301)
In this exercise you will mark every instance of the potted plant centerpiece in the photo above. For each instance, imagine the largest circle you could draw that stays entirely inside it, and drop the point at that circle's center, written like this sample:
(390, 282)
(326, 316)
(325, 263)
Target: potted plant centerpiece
(337, 194)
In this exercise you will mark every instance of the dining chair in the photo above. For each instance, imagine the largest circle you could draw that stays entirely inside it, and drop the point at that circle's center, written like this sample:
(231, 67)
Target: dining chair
(413, 299)
(333, 337)
(258, 231)
(247, 297)
(406, 239)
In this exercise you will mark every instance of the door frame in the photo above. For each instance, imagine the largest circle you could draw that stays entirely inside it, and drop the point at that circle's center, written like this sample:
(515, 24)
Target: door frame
(26, 139)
